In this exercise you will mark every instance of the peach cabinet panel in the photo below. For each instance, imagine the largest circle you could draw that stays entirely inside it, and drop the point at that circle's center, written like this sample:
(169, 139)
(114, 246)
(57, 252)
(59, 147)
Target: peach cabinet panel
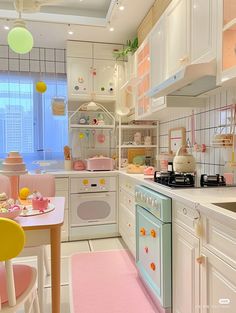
(229, 10)
(229, 56)
(158, 8)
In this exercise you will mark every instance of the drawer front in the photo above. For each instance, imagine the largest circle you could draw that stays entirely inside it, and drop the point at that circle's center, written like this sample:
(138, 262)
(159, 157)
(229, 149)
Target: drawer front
(127, 228)
(61, 184)
(220, 239)
(63, 193)
(64, 228)
(185, 216)
(92, 184)
(128, 184)
(127, 200)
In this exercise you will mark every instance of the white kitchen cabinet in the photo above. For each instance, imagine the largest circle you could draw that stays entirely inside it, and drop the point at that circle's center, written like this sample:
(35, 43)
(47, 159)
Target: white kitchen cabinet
(62, 190)
(158, 53)
(186, 284)
(203, 30)
(92, 71)
(105, 79)
(127, 212)
(218, 284)
(79, 76)
(177, 35)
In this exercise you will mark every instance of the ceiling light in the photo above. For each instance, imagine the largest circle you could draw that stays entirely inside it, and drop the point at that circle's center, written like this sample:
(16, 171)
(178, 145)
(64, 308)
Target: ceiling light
(111, 29)
(121, 8)
(70, 32)
(20, 40)
(6, 27)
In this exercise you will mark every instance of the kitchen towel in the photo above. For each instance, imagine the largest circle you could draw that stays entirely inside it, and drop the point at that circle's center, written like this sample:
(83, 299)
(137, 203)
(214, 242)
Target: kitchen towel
(107, 282)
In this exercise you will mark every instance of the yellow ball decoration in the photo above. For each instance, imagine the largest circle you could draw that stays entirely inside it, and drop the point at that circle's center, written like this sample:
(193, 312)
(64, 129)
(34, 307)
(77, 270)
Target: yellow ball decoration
(41, 86)
(24, 193)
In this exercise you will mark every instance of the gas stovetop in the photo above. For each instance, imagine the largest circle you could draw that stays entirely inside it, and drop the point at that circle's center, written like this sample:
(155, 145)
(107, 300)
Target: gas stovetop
(187, 180)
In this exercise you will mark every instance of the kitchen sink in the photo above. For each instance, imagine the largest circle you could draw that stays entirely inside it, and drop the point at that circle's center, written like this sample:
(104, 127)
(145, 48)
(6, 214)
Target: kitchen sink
(231, 206)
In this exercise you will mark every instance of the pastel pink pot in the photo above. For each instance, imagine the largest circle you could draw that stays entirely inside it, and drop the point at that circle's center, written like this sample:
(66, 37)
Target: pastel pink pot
(38, 204)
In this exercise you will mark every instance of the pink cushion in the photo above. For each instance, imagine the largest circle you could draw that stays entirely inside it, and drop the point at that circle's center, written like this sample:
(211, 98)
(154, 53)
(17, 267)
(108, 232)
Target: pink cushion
(22, 278)
(44, 183)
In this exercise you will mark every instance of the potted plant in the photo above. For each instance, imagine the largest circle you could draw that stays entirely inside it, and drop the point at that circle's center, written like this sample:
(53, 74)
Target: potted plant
(129, 49)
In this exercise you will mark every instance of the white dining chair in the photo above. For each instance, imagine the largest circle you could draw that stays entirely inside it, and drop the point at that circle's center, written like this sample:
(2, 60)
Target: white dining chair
(45, 184)
(17, 282)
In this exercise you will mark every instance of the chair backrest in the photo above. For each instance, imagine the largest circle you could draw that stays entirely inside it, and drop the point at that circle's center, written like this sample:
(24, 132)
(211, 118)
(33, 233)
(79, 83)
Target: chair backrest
(12, 241)
(5, 185)
(44, 183)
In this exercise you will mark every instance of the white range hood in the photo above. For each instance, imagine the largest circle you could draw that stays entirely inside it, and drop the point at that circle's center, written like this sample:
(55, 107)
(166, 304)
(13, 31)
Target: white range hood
(193, 80)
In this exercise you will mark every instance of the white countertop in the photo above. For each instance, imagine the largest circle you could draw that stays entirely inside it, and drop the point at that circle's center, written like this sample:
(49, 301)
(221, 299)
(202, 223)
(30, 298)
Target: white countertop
(199, 198)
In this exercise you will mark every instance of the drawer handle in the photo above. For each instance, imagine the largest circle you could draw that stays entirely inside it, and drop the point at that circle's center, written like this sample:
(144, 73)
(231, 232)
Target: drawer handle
(153, 233)
(129, 225)
(200, 260)
(185, 211)
(153, 266)
(146, 249)
(142, 232)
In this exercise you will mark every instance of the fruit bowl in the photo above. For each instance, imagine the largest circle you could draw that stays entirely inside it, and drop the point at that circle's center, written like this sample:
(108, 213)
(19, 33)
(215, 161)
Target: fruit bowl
(11, 212)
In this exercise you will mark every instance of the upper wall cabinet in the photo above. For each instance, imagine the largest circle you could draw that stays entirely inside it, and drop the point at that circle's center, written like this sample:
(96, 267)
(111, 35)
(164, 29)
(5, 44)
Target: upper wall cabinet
(203, 30)
(227, 40)
(92, 71)
(177, 18)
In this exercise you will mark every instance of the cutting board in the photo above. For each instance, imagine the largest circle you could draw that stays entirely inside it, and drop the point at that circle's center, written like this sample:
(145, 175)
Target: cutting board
(135, 152)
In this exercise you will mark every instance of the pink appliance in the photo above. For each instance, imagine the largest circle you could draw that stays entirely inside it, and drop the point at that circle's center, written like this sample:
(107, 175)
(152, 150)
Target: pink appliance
(100, 164)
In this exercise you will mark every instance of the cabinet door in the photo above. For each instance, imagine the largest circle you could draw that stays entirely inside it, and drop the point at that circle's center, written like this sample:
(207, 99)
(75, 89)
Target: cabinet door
(105, 78)
(185, 271)
(103, 51)
(178, 35)
(79, 77)
(203, 30)
(218, 287)
(79, 49)
(158, 57)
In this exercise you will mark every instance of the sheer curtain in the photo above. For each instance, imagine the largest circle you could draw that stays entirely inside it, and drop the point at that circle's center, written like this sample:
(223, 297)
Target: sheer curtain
(26, 121)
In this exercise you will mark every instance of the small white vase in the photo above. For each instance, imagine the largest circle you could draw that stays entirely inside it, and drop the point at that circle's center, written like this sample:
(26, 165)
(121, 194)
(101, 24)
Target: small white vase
(67, 165)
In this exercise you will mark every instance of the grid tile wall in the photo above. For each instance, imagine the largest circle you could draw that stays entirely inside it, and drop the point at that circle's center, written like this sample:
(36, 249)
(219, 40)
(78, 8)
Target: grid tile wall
(207, 122)
(39, 59)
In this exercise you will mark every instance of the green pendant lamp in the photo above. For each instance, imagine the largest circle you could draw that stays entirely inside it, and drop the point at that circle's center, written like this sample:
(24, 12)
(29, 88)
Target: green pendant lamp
(20, 40)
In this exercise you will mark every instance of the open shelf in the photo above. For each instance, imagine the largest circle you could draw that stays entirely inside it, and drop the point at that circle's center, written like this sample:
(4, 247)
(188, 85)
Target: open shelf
(137, 146)
(92, 126)
(138, 126)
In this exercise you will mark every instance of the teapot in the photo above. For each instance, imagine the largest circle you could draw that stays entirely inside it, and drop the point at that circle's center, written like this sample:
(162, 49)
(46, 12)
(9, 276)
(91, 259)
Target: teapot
(184, 162)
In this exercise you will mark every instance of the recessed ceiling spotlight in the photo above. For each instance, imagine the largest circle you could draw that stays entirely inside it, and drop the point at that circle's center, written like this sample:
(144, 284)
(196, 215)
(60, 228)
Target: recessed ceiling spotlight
(121, 8)
(111, 29)
(6, 27)
(70, 32)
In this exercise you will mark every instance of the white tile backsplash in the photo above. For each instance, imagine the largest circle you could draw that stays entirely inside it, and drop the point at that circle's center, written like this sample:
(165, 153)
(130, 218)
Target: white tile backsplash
(207, 122)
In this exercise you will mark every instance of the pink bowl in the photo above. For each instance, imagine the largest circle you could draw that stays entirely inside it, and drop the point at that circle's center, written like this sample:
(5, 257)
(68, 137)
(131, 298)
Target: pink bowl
(11, 214)
(38, 204)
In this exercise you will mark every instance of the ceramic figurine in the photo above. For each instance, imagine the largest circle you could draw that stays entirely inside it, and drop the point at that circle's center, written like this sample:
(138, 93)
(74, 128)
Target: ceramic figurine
(147, 141)
(82, 120)
(100, 119)
(137, 138)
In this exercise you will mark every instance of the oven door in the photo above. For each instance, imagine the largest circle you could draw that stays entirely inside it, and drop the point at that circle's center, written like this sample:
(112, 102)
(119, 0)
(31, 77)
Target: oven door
(153, 254)
(93, 209)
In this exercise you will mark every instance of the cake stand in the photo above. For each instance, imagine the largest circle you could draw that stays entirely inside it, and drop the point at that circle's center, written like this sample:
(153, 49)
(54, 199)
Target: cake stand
(14, 179)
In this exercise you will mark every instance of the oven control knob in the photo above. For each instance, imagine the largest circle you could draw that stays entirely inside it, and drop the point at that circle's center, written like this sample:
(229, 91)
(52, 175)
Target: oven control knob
(153, 233)
(150, 200)
(142, 232)
(153, 266)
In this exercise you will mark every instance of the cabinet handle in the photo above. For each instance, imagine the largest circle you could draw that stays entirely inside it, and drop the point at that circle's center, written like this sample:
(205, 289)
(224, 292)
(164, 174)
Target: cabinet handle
(153, 266)
(200, 259)
(185, 211)
(184, 59)
(142, 232)
(153, 233)
(129, 225)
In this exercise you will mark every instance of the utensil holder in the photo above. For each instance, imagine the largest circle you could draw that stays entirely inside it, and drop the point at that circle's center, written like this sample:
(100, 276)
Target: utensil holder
(67, 165)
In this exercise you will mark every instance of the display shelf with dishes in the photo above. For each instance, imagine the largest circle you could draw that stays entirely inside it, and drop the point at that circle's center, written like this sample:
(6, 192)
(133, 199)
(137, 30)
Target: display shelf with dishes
(92, 139)
(137, 145)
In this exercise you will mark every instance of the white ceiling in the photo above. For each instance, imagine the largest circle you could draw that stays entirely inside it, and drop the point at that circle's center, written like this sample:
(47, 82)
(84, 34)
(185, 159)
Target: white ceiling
(89, 20)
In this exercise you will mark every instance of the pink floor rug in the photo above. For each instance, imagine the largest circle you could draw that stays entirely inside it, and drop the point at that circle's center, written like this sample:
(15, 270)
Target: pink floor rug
(107, 282)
